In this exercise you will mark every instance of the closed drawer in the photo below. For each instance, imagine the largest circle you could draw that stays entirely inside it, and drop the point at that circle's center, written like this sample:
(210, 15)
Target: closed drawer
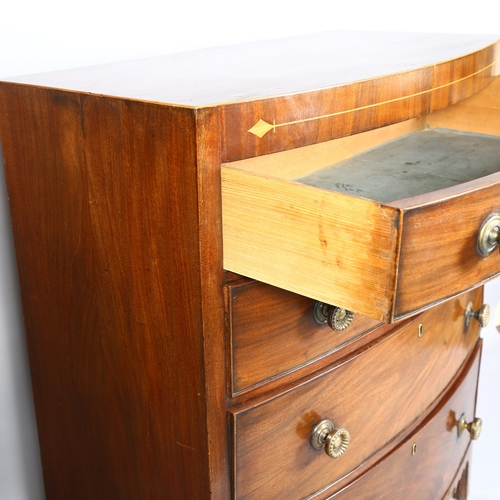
(357, 237)
(375, 394)
(425, 466)
(273, 332)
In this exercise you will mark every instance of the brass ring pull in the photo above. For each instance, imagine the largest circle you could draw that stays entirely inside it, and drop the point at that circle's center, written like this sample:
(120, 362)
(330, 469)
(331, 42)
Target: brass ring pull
(337, 318)
(334, 441)
(482, 314)
(489, 235)
(473, 427)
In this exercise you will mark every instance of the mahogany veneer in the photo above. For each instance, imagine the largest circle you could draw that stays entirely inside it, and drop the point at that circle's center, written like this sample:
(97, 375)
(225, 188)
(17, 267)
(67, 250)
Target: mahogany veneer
(146, 199)
(273, 331)
(425, 471)
(376, 394)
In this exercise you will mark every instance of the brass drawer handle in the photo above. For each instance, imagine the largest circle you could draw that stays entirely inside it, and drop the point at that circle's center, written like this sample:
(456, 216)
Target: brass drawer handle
(337, 318)
(489, 235)
(482, 314)
(473, 427)
(334, 441)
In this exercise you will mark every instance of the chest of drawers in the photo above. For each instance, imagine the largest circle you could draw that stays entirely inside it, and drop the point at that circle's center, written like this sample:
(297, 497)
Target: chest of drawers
(223, 276)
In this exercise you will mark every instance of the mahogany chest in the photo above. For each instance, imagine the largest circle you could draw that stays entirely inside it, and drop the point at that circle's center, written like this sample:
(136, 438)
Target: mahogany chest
(256, 272)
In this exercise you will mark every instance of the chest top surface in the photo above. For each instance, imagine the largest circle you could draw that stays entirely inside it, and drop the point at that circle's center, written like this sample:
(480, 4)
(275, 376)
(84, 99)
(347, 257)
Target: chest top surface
(264, 69)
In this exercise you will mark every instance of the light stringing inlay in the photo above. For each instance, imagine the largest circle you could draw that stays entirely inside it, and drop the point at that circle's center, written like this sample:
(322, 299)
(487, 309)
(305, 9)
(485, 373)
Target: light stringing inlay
(261, 128)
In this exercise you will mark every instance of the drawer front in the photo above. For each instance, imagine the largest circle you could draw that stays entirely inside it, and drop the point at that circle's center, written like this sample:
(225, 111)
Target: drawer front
(338, 241)
(425, 466)
(459, 487)
(441, 239)
(273, 332)
(375, 395)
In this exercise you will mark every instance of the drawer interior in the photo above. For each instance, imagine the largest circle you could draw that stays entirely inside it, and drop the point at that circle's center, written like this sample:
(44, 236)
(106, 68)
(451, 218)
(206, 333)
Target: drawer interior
(365, 222)
(415, 164)
(479, 114)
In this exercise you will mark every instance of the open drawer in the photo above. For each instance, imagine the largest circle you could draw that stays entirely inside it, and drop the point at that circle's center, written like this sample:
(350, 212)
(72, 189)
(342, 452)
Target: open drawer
(340, 222)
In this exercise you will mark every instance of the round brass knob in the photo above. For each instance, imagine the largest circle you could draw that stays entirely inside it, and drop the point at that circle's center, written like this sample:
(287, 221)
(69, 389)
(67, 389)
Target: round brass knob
(482, 314)
(489, 235)
(473, 427)
(334, 441)
(337, 318)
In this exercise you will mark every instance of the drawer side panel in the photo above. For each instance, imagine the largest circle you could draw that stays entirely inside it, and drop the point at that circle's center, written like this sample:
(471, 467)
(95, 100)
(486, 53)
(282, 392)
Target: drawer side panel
(284, 234)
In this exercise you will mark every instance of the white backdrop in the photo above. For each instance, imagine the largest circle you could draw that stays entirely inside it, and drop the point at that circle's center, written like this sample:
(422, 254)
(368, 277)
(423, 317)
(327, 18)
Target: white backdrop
(38, 36)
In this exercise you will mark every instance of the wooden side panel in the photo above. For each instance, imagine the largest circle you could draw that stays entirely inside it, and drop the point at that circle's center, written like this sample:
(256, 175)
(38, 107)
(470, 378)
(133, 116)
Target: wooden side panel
(297, 120)
(432, 470)
(327, 246)
(440, 239)
(375, 395)
(104, 203)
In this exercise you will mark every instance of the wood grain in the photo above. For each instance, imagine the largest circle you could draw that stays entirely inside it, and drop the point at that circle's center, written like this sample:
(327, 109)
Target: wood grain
(480, 113)
(265, 69)
(353, 108)
(432, 471)
(104, 202)
(327, 246)
(211, 307)
(272, 454)
(118, 218)
(442, 237)
(335, 248)
(273, 332)
(300, 161)
(315, 88)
